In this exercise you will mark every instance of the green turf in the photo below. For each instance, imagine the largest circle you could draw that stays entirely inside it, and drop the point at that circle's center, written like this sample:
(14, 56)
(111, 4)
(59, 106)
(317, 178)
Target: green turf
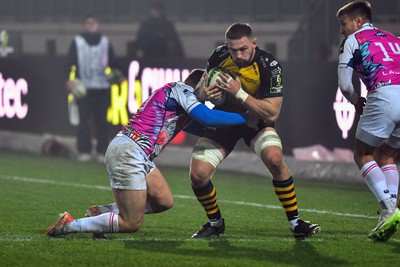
(35, 189)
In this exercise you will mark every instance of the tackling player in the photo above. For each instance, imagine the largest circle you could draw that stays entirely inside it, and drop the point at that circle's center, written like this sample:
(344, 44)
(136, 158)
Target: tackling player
(137, 184)
(257, 88)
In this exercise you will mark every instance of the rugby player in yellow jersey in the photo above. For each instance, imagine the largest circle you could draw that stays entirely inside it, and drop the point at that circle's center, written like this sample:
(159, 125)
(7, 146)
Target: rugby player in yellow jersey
(257, 88)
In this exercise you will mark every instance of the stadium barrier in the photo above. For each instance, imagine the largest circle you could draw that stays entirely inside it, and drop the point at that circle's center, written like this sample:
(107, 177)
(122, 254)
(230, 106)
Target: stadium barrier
(179, 157)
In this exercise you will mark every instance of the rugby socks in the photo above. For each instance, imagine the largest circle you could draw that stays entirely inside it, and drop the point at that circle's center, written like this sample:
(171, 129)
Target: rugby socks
(286, 194)
(114, 208)
(376, 182)
(104, 223)
(207, 196)
(392, 179)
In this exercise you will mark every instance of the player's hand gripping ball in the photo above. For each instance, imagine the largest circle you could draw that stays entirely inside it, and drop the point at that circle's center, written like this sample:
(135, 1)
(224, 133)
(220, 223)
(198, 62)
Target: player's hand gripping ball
(213, 77)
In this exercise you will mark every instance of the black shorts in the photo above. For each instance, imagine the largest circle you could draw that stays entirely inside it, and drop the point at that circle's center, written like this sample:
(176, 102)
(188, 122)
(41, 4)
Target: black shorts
(229, 136)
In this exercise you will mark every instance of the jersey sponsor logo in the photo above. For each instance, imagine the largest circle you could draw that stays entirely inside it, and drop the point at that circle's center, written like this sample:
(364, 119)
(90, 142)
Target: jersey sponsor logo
(251, 81)
(380, 84)
(264, 61)
(276, 84)
(380, 34)
(391, 72)
(273, 63)
(276, 71)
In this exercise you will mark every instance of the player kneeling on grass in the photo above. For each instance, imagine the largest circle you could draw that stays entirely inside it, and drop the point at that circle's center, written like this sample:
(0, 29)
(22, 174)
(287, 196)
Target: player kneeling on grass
(137, 184)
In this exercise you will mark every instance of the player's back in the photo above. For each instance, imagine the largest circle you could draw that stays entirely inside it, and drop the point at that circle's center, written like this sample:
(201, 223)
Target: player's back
(161, 117)
(379, 58)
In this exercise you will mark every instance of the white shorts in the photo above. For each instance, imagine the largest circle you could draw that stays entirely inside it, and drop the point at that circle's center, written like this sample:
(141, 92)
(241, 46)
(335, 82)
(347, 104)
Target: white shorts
(127, 164)
(381, 118)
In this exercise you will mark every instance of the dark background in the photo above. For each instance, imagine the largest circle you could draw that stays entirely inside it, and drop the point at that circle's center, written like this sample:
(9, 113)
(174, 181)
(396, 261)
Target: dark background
(307, 115)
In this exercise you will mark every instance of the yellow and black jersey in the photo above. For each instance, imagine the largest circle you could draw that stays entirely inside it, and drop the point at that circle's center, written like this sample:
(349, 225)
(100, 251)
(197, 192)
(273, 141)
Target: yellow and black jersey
(262, 78)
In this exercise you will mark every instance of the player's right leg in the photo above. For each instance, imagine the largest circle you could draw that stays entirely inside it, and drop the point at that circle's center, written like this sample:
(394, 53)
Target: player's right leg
(206, 157)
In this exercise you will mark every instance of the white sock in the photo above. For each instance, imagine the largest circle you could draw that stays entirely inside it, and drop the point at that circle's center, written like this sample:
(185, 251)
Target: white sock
(114, 208)
(392, 179)
(293, 223)
(376, 182)
(104, 223)
(216, 223)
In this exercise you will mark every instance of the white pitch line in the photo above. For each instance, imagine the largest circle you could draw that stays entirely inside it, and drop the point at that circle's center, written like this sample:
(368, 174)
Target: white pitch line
(100, 187)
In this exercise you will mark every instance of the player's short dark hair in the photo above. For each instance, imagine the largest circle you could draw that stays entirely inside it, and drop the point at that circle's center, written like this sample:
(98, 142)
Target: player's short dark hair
(194, 77)
(356, 8)
(238, 30)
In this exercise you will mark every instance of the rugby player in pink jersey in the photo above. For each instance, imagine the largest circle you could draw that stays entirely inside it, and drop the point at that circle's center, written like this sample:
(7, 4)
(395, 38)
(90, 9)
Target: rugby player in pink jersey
(374, 55)
(137, 184)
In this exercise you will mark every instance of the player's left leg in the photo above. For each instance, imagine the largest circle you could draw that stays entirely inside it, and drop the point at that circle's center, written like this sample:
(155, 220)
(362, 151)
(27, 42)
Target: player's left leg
(159, 197)
(267, 145)
(385, 155)
(131, 204)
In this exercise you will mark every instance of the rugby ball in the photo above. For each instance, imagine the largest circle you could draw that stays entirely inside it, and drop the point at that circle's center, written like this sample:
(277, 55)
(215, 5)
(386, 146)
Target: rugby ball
(213, 77)
(79, 90)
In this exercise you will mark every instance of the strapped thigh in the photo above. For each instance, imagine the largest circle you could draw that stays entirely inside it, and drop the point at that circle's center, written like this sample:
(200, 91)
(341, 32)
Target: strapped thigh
(208, 151)
(265, 139)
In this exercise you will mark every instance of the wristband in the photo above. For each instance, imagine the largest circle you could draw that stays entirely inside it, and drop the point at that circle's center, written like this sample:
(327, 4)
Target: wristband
(241, 95)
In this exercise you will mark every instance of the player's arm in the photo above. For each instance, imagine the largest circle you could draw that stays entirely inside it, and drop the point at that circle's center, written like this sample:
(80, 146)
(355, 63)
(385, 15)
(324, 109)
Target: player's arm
(346, 85)
(345, 76)
(266, 108)
(216, 118)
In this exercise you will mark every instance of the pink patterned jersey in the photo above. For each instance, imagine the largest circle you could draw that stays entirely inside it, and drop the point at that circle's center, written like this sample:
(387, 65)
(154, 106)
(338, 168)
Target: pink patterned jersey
(161, 117)
(374, 54)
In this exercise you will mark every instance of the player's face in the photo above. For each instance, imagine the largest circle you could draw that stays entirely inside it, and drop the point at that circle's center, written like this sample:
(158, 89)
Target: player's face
(242, 50)
(349, 25)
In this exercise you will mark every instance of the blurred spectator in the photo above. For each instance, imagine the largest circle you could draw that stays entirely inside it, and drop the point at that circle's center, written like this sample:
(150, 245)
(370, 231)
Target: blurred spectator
(90, 53)
(157, 36)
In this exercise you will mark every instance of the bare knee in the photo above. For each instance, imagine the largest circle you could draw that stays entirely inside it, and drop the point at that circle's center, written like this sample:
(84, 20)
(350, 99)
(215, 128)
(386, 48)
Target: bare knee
(200, 175)
(168, 203)
(385, 154)
(276, 166)
(130, 226)
(165, 204)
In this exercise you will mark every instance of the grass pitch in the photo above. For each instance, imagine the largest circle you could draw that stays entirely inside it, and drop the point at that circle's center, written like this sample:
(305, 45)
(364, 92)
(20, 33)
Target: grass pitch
(35, 189)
